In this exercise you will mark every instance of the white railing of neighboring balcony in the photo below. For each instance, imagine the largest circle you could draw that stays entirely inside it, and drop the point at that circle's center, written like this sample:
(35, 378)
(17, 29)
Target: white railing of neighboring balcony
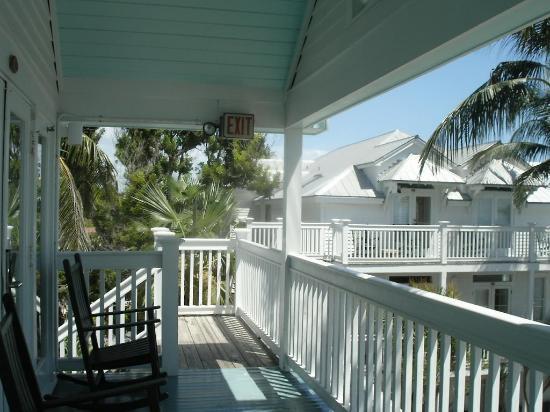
(206, 278)
(369, 344)
(359, 243)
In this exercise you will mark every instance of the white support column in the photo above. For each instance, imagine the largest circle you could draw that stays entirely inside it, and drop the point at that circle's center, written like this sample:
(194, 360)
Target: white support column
(443, 248)
(292, 221)
(169, 244)
(48, 250)
(345, 241)
(532, 268)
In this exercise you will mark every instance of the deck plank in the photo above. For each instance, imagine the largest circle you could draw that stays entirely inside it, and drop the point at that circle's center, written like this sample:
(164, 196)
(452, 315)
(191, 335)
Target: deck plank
(212, 342)
(188, 349)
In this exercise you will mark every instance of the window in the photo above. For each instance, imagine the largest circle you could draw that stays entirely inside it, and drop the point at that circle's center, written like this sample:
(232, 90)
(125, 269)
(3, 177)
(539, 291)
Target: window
(503, 212)
(538, 300)
(401, 210)
(484, 212)
(492, 211)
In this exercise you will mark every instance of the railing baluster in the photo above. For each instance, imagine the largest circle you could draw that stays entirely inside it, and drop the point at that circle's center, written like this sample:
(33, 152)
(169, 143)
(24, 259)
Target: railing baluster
(191, 277)
(101, 306)
(431, 354)
(493, 384)
(536, 385)
(397, 379)
(475, 379)
(369, 393)
(228, 279)
(117, 303)
(388, 357)
(513, 391)
(133, 294)
(419, 368)
(460, 376)
(209, 288)
(379, 372)
(445, 372)
(218, 277)
(361, 355)
(408, 376)
(200, 275)
(182, 276)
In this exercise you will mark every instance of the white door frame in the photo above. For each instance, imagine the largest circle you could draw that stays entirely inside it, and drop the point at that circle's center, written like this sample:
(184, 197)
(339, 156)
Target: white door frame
(26, 260)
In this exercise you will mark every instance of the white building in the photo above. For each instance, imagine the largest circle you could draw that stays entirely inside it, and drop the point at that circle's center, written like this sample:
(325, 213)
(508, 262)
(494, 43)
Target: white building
(379, 181)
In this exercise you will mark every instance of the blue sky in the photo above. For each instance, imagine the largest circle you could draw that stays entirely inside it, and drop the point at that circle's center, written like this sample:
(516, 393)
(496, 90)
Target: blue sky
(415, 107)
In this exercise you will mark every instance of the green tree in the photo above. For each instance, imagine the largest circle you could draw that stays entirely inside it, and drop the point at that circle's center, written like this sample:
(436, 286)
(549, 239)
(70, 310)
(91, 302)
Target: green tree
(515, 100)
(190, 208)
(86, 176)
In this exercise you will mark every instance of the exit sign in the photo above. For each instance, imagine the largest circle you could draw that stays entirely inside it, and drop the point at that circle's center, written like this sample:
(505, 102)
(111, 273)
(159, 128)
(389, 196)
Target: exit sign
(237, 126)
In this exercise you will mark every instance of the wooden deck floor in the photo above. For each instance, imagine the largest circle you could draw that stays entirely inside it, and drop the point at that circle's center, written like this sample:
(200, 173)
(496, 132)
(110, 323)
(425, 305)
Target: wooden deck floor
(214, 342)
(224, 367)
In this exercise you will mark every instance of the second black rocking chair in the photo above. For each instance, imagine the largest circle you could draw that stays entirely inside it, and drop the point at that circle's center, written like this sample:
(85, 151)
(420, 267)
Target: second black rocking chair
(98, 358)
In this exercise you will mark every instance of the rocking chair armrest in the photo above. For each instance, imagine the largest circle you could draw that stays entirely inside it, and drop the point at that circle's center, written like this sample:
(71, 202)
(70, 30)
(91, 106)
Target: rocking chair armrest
(124, 312)
(122, 325)
(88, 397)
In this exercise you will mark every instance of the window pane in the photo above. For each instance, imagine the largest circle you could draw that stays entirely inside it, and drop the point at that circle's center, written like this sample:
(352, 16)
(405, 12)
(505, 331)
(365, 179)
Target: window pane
(481, 297)
(503, 212)
(538, 301)
(401, 210)
(501, 300)
(484, 212)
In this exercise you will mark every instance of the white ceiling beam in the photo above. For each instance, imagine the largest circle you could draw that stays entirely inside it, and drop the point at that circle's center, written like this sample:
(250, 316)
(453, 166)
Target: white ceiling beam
(167, 103)
(417, 37)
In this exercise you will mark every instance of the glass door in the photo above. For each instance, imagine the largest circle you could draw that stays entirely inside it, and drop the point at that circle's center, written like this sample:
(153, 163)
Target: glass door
(495, 297)
(19, 210)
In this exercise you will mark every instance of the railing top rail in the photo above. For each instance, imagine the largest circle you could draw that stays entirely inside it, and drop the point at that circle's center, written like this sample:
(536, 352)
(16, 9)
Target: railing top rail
(264, 224)
(206, 244)
(273, 255)
(113, 259)
(393, 227)
(489, 228)
(504, 334)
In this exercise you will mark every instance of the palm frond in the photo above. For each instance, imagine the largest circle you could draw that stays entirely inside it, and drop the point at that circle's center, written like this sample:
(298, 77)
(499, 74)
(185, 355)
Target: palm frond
(534, 130)
(155, 202)
(535, 176)
(519, 69)
(72, 232)
(516, 152)
(491, 109)
(533, 41)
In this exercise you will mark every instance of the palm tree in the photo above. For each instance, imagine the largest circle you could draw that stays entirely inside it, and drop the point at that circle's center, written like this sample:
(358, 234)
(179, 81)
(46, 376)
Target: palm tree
(514, 101)
(189, 208)
(85, 172)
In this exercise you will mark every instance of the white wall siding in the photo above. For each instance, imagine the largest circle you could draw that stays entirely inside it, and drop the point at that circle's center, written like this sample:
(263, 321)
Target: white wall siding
(25, 33)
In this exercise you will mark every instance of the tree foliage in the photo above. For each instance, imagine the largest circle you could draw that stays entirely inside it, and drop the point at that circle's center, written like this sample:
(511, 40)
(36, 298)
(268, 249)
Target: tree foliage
(515, 100)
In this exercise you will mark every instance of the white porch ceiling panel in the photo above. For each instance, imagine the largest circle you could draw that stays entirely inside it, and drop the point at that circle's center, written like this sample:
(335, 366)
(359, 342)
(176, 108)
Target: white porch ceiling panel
(177, 63)
(239, 42)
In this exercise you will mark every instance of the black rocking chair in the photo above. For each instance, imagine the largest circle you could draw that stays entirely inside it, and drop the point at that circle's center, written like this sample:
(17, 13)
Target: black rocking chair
(99, 359)
(21, 386)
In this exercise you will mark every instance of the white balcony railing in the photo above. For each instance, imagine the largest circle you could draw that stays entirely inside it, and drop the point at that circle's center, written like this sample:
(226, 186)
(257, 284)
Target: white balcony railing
(362, 342)
(369, 344)
(358, 244)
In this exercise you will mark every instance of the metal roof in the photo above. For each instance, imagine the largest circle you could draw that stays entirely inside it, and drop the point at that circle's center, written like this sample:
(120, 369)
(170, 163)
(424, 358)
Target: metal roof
(540, 195)
(408, 170)
(336, 174)
(242, 42)
(496, 172)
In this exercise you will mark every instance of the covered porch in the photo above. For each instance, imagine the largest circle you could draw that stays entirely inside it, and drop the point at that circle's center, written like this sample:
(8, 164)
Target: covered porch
(335, 338)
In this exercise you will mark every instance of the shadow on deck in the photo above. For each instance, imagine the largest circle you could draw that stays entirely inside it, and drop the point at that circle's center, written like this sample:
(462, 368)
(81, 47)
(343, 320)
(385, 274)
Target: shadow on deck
(224, 367)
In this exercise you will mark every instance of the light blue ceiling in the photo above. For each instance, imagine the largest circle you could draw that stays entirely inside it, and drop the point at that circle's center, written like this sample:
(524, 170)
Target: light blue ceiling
(239, 42)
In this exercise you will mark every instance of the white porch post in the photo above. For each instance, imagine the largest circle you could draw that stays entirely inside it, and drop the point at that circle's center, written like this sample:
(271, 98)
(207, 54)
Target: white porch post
(443, 250)
(168, 290)
(531, 266)
(292, 220)
(48, 250)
